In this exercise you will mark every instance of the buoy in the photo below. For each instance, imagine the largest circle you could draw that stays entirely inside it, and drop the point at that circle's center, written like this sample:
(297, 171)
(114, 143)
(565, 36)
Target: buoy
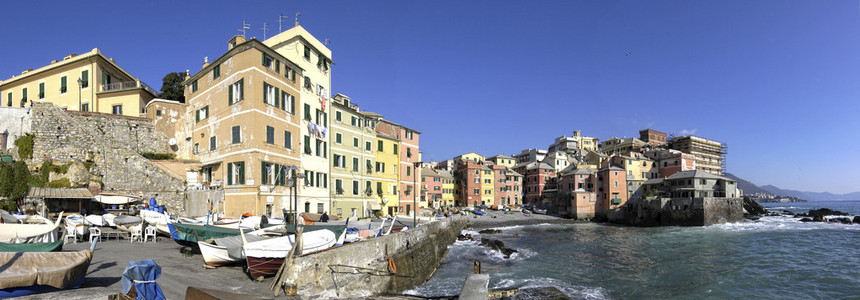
(391, 266)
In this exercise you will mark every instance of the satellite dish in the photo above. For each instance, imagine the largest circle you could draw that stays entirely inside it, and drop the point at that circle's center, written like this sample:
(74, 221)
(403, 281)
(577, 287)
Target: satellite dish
(171, 141)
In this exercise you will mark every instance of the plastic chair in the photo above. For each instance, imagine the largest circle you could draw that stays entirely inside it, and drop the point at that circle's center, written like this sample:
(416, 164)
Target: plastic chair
(135, 233)
(70, 233)
(149, 232)
(95, 233)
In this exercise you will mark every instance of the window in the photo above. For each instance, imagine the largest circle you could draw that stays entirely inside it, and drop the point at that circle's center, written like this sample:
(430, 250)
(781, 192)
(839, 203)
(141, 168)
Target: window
(270, 135)
(307, 112)
(216, 72)
(355, 164)
(9, 100)
(196, 148)
(355, 187)
(85, 79)
(267, 61)
(85, 107)
(307, 53)
(337, 116)
(379, 146)
(288, 102)
(236, 91)
(408, 152)
(236, 173)
(307, 144)
(320, 208)
(394, 189)
(308, 85)
(339, 161)
(270, 95)
(41, 90)
(337, 138)
(212, 143)
(408, 171)
(409, 134)
(105, 78)
(338, 186)
(63, 87)
(117, 109)
(236, 137)
(369, 166)
(288, 139)
(395, 148)
(477, 191)
(269, 173)
(367, 146)
(202, 113)
(24, 95)
(380, 167)
(354, 121)
(194, 86)
(289, 73)
(355, 142)
(379, 187)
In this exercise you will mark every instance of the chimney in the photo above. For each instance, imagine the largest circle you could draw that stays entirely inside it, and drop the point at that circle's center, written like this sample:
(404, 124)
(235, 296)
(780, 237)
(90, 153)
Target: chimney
(236, 40)
(187, 74)
(205, 62)
(576, 133)
(70, 56)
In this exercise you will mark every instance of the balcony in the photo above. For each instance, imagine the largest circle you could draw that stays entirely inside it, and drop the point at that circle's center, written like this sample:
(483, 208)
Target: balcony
(126, 85)
(616, 201)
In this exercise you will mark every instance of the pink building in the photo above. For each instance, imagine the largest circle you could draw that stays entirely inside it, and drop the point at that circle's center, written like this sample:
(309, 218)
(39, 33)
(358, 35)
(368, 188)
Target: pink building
(409, 155)
(535, 178)
(611, 189)
(431, 187)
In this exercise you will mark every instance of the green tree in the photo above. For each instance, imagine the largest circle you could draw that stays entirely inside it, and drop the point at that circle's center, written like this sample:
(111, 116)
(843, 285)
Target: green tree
(21, 180)
(7, 179)
(171, 87)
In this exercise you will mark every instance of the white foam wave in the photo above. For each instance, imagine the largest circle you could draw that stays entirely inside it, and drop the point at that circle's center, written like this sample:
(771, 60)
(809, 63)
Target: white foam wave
(573, 291)
(781, 223)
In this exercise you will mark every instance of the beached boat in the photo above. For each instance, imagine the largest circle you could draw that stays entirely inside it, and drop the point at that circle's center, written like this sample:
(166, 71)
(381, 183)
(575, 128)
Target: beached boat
(39, 231)
(188, 235)
(266, 257)
(27, 273)
(127, 223)
(227, 223)
(108, 218)
(32, 247)
(79, 223)
(478, 212)
(228, 250)
(157, 219)
(96, 220)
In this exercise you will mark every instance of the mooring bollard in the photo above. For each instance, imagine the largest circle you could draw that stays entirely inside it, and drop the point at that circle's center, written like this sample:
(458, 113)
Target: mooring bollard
(477, 266)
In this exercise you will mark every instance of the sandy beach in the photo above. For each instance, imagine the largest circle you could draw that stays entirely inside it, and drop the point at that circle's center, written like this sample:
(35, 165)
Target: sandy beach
(178, 272)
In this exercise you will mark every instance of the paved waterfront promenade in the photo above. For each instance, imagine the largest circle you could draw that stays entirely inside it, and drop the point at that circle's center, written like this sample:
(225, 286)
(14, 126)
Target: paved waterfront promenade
(178, 272)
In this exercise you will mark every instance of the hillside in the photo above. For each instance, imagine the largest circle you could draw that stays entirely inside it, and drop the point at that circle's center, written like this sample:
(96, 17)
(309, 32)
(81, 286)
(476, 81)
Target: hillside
(749, 188)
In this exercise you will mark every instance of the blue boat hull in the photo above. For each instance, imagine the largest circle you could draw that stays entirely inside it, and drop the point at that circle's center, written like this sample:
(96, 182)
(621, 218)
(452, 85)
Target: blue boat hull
(36, 289)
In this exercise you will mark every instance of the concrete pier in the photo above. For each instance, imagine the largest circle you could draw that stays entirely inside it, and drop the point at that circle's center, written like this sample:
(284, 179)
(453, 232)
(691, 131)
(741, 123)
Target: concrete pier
(476, 287)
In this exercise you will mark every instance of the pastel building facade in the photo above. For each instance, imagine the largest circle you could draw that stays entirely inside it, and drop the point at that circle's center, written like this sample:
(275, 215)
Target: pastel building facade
(87, 82)
(352, 163)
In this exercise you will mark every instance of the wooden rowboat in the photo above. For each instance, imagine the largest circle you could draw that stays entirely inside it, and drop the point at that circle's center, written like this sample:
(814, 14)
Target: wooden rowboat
(27, 273)
(266, 257)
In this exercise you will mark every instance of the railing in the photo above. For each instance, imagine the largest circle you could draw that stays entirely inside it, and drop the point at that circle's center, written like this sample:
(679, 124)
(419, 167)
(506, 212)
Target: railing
(125, 85)
(616, 201)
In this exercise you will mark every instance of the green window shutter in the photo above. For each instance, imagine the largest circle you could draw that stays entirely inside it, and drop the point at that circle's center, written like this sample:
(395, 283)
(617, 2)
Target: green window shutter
(379, 146)
(265, 93)
(85, 78)
(292, 104)
(230, 95)
(379, 187)
(229, 173)
(9, 101)
(288, 139)
(278, 66)
(42, 90)
(277, 97)
(264, 179)
(241, 172)
(264, 59)
(104, 78)
(197, 117)
(242, 89)
(338, 138)
(307, 144)
(307, 112)
(355, 164)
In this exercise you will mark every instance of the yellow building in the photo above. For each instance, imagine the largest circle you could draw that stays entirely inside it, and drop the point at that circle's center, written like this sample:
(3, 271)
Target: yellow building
(503, 160)
(385, 173)
(244, 128)
(471, 156)
(448, 187)
(352, 162)
(87, 82)
(488, 186)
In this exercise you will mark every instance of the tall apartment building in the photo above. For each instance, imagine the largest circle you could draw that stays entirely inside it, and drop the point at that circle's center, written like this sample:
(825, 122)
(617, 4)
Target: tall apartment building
(352, 163)
(86, 82)
(616, 145)
(709, 154)
(468, 175)
(431, 187)
(243, 126)
(385, 172)
(314, 60)
(406, 148)
(449, 187)
(503, 160)
(574, 146)
(653, 137)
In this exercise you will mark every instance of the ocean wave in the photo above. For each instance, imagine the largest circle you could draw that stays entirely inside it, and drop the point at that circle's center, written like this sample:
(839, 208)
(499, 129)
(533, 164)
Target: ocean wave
(573, 291)
(781, 223)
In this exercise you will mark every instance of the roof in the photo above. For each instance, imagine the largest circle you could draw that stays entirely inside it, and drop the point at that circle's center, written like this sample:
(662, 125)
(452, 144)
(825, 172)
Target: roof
(400, 125)
(370, 114)
(250, 43)
(386, 136)
(613, 168)
(429, 172)
(59, 193)
(654, 181)
(445, 174)
(500, 156)
(513, 173)
(697, 174)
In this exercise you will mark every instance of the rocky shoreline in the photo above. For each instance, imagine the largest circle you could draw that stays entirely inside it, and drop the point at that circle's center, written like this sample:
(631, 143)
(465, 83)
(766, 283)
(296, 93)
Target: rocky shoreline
(753, 210)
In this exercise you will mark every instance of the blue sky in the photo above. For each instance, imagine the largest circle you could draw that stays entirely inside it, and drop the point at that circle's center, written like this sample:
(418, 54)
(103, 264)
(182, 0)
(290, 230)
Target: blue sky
(775, 80)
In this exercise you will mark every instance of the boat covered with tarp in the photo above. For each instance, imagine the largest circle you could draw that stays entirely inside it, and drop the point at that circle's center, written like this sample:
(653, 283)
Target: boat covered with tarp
(188, 235)
(32, 247)
(27, 273)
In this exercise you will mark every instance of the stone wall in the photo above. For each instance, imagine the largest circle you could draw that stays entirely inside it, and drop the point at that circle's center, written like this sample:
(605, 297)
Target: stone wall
(113, 144)
(416, 254)
(16, 122)
(681, 212)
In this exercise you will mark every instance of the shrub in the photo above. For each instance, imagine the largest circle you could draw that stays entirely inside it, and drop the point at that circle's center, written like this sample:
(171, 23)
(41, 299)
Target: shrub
(158, 156)
(25, 146)
(60, 183)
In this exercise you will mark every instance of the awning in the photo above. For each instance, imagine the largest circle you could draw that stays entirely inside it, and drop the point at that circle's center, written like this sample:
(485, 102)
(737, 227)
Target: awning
(373, 205)
(59, 193)
(115, 199)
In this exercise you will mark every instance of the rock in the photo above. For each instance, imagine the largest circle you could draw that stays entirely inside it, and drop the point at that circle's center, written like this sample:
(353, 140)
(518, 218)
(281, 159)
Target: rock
(806, 220)
(856, 220)
(753, 207)
(826, 212)
(497, 245)
(490, 231)
(465, 237)
(78, 174)
(840, 220)
(817, 219)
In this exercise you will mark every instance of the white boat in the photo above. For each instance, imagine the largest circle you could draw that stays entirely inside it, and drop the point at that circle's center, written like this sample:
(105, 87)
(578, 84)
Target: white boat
(250, 223)
(279, 247)
(157, 219)
(39, 231)
(228, 250)
(108, 218)
(125, 223)
(79, 223)
(96, 220)
(227, 223)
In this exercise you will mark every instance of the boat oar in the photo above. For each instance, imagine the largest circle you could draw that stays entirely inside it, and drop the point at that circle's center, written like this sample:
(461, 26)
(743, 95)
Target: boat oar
(242, 233)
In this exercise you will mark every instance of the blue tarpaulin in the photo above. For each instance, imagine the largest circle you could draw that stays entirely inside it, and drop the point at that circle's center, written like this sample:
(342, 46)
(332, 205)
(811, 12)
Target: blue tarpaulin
(143, 275)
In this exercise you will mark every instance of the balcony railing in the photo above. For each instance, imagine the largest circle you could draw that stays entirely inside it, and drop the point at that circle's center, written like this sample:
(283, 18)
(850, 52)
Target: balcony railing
(616, 201)
(126, 85)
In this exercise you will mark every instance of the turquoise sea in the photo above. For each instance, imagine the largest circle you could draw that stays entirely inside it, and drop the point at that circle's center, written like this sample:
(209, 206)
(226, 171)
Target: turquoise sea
(773, 258)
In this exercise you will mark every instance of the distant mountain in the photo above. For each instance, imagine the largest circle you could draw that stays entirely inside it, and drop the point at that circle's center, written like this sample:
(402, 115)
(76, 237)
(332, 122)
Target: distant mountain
(749, 188)
(825, 196)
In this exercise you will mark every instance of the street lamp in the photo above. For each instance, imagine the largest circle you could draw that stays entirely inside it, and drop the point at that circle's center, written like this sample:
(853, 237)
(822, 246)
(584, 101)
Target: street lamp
(295, 186)
(415, 193)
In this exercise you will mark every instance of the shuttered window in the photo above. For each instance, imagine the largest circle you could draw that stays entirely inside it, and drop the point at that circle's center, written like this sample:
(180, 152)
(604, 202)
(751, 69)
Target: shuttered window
(85, 78)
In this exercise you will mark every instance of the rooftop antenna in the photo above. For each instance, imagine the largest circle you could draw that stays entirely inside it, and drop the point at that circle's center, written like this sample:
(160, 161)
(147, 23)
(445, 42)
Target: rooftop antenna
(327, 41)
(297, 18)
(245, 26)
(265, 28)
(281, 19)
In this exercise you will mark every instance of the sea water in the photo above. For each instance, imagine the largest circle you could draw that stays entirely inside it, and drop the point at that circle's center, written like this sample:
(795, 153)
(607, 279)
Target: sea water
(775, 257)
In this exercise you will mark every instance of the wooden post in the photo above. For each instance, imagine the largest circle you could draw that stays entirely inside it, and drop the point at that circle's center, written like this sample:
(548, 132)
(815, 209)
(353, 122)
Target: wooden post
(287, 262)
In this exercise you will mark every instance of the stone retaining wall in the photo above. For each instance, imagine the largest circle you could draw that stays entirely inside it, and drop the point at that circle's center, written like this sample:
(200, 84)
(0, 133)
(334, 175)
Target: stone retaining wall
(681, 212)
(113, 144)
(416, 254)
